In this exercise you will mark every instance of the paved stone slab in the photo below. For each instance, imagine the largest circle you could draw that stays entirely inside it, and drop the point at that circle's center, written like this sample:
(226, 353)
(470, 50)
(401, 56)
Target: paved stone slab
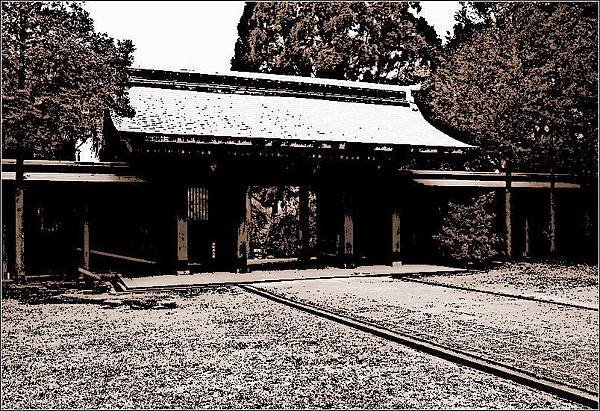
(200, 279)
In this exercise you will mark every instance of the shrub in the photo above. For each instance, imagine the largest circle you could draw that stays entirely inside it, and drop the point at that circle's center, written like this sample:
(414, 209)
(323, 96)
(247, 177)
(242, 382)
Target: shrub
(467, 234)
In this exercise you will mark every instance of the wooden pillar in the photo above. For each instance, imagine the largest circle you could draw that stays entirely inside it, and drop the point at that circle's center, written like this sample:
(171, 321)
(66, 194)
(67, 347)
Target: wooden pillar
(304, 224)
(347, 234)
(527, 251)
(552, 222)
(4, 250)
(334, 225)
(182, 246)
(318, 230)
(85, 260)
(182, 232)
(324, 222)
(244, 218)
(164, 229)
(395, 228)
(508, 217)
(19, 222)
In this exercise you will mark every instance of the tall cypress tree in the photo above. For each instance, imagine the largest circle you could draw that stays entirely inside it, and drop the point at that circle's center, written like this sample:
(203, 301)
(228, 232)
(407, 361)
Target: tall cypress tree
(376, 42)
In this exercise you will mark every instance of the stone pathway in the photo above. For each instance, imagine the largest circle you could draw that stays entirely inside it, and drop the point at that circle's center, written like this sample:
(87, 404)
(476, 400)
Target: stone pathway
(220, 278)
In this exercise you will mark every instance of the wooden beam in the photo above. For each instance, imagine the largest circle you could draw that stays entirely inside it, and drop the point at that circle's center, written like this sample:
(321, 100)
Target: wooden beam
(439, 182)
(87, 273)
(544, 184)
(84, 177)
(121, 257)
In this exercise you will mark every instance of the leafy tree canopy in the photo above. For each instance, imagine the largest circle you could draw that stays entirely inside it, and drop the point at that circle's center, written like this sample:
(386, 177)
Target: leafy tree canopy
(368, 41)
(58, 77)
(470, 18)
(522, 79)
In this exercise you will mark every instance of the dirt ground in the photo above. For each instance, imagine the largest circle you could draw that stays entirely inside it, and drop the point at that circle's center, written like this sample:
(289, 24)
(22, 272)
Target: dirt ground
(224, 348)
(553, 341)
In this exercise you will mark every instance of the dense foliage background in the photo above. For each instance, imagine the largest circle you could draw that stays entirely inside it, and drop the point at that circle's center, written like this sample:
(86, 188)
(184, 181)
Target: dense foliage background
(367, 41)
(58, 77)
(521, 79)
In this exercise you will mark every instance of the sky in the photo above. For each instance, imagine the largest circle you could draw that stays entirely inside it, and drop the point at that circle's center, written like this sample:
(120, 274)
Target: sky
(440, 14)
(199, 35)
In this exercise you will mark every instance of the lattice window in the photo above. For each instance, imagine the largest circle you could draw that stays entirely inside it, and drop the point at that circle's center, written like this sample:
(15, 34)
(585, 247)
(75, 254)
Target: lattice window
(197, 204)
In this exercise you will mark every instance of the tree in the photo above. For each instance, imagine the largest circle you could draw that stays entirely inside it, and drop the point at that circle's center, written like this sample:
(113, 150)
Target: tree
(472, 17)
(376, 42)
(525, 84)
(58, 78)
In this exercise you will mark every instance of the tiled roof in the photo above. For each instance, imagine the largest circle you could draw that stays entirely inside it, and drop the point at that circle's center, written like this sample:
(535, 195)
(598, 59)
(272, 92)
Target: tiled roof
(247, 115)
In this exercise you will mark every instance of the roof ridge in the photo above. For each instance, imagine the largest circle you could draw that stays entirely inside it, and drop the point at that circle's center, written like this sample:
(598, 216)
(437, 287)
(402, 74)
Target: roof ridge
(270, 84)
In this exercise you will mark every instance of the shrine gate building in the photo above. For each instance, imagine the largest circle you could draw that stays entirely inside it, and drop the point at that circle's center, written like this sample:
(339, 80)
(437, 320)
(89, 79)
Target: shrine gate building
(172, 189)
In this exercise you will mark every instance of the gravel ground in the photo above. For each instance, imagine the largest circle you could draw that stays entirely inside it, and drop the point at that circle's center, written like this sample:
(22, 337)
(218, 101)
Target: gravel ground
(566, 283)
(223, 348)
(553, 341)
